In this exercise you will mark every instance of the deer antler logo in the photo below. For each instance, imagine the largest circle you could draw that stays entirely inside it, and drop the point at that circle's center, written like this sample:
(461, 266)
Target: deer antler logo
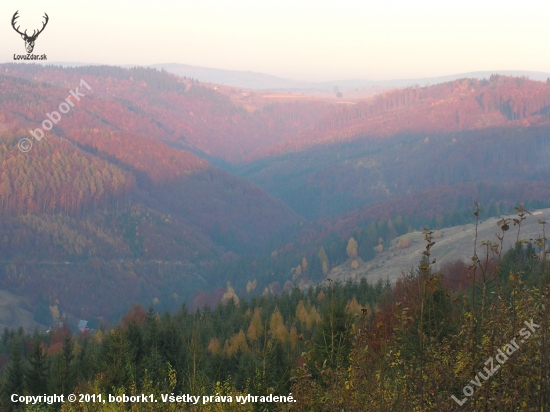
(29, 40)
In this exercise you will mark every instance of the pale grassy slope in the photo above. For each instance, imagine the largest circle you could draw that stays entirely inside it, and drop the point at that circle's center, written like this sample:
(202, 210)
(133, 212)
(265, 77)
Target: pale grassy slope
(14, 312)
(455, 243)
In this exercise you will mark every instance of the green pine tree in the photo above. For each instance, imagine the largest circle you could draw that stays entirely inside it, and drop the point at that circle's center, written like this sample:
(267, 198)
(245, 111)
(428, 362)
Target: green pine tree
(36, 374)
(15, 379)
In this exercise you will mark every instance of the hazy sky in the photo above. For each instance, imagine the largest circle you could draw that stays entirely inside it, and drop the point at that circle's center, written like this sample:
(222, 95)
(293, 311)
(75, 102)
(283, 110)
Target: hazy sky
(299, 39)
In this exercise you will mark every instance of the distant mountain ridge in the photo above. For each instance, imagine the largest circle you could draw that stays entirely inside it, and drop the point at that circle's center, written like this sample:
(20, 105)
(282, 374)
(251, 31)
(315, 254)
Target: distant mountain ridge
(261, 81)
(236, 78)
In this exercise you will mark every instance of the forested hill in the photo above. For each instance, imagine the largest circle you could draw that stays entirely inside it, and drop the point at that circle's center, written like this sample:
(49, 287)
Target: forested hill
(240, 125)
(101, 213)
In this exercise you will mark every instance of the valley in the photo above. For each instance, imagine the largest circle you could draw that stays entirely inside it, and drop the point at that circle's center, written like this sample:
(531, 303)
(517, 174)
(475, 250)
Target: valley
(213, 181)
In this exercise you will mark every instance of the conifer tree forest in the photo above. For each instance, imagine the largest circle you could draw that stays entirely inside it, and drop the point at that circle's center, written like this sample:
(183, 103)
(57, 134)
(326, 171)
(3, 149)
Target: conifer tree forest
(421, 344)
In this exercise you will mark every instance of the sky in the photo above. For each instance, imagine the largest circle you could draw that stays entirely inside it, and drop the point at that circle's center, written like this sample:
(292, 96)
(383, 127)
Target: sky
(318, 40)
